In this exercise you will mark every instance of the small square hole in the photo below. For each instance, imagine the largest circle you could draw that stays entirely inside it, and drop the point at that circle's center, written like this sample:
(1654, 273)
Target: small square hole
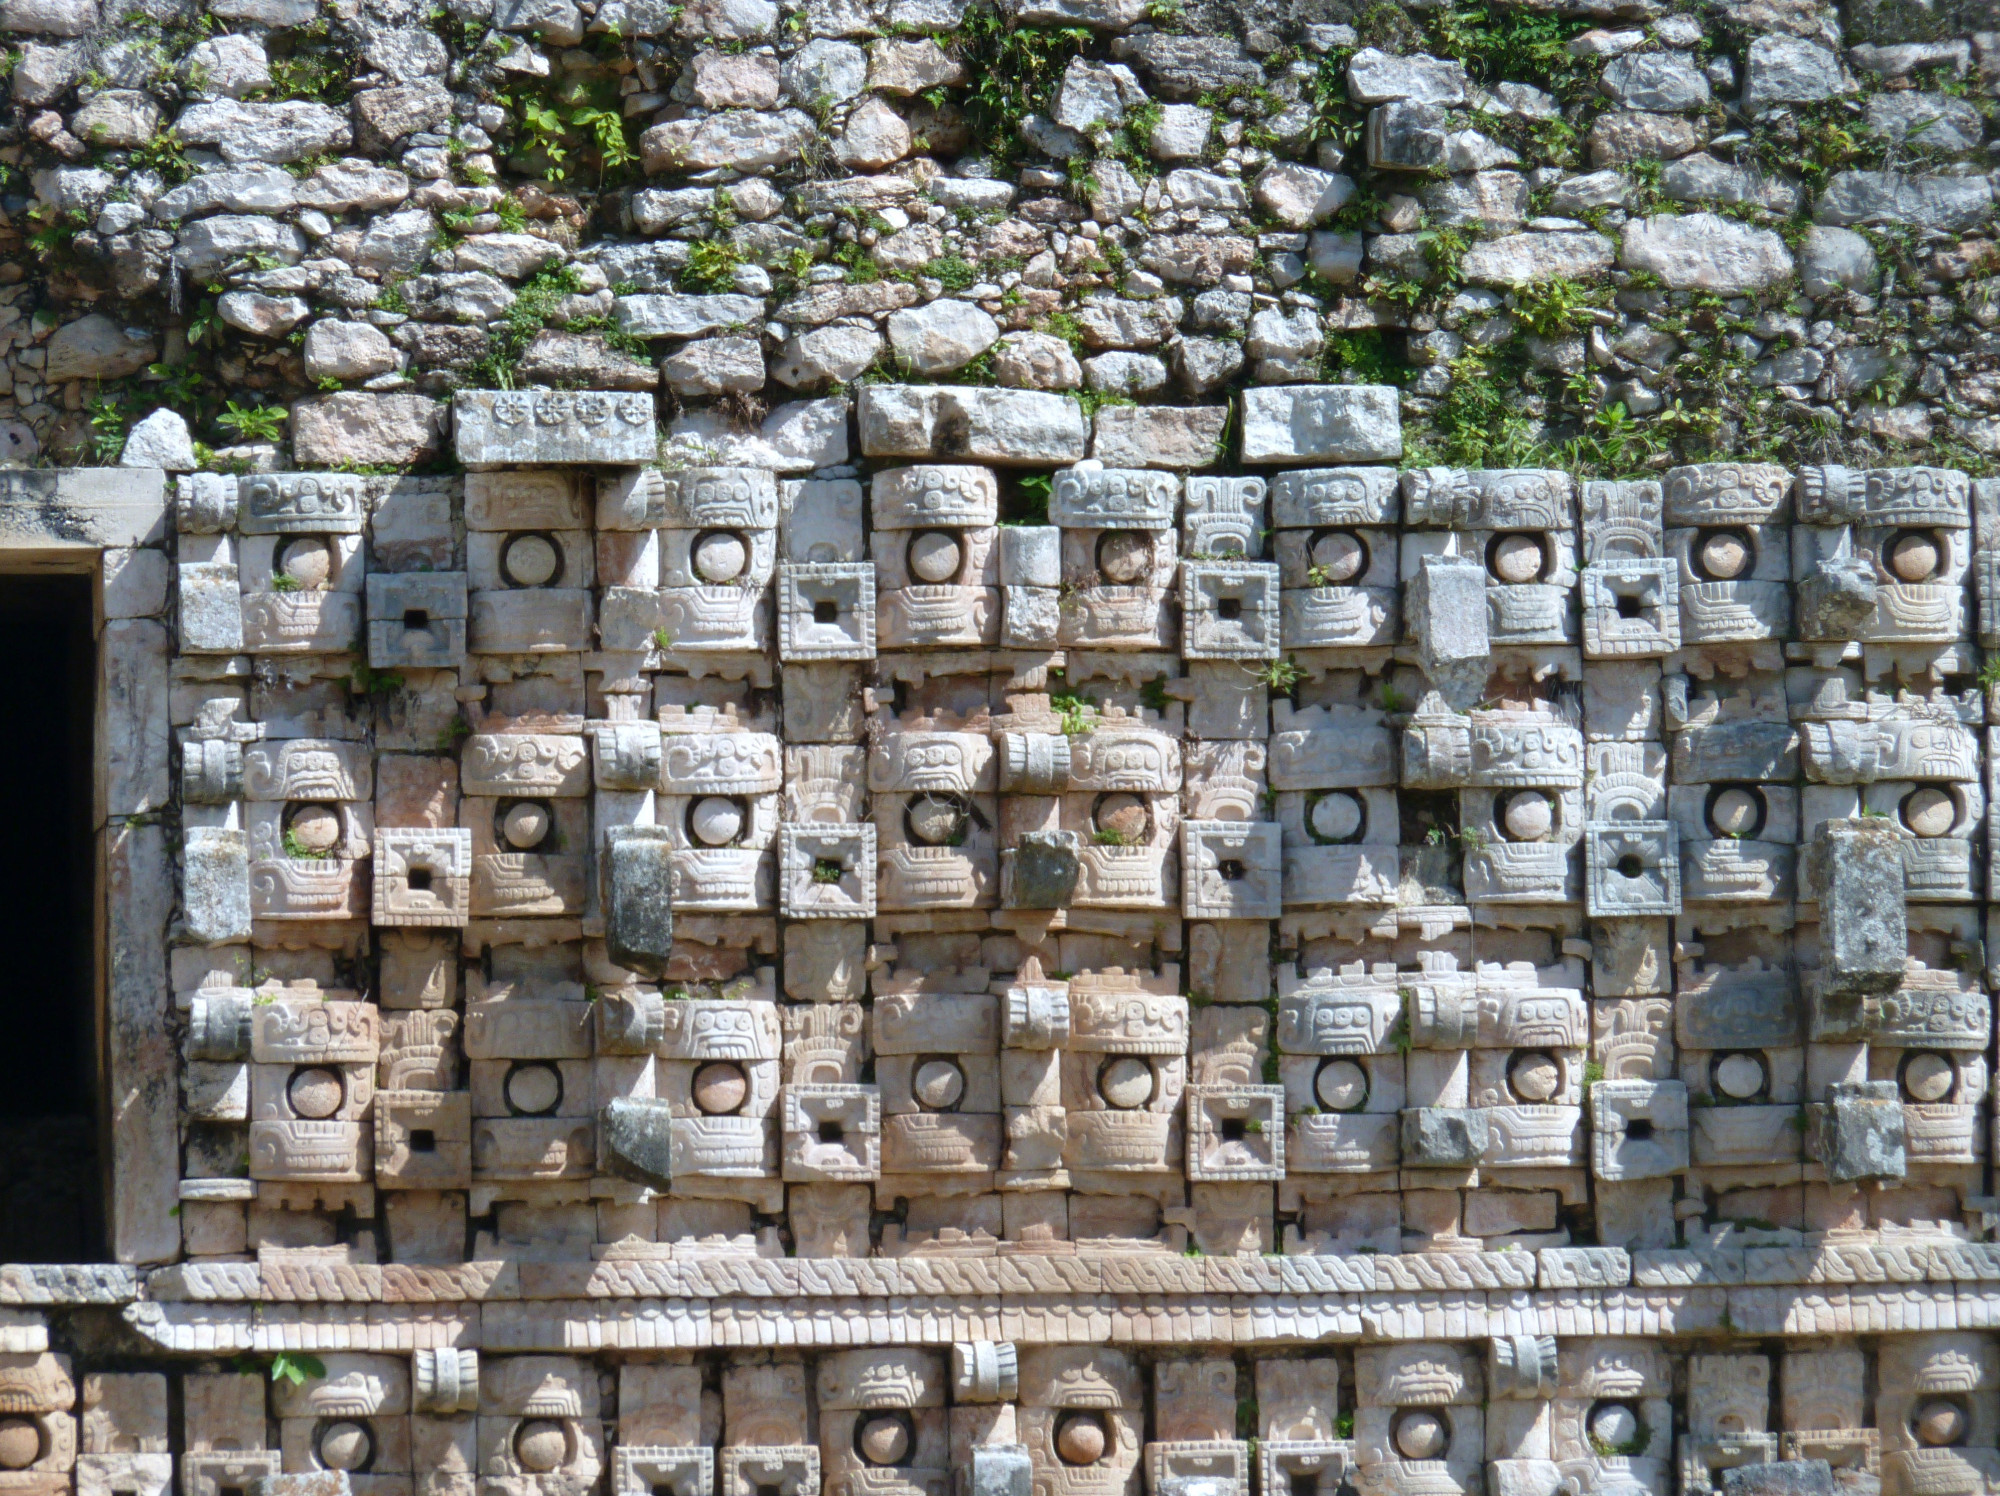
(663, 1489)
(1232, 871)
(832, 1132)
(1304, 1484)
(826, 610)
(1631, 605)
(416, 618)
(1639, 1129)
(423, 1140)
(1229, 609)
(1231, 1130)
(419, 880)
(770, 1491)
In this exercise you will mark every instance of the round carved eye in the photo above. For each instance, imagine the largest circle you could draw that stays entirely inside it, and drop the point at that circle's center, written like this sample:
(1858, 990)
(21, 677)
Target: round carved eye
(934, 555)
(1515, 559)
(531, 560)
(720, 556)
(1928, 811)
(534, 1088)
(20, 1443)
(883, 1439)
(1126, 1082)
(345, 1445)
(938, 1084)
(1938, 1423)
(1082, 1439)
(1723, 555)
(312, 830)
(1339, 555)
(1928, 1076)
(938, 820)
(308, 561)
(1915, 555)
(1336, 816)
(1741, 1075)
(1736, 810)
(315, 1092)
(1341, 1085)
(525, 825)
(1616, 1428)
(1534, 1076)
(540, 1445)
(1528, 816)
(715, 820)
(1124, 556)
(720, 1088)
(1420, 1434)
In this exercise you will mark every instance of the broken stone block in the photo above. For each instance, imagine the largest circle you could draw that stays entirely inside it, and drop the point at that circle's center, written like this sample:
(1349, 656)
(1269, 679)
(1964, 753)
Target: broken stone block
(1439, 1137)
(1444, 610)
(1040, 870)
(637, 890)
(1864, 934)
(1860, 1133)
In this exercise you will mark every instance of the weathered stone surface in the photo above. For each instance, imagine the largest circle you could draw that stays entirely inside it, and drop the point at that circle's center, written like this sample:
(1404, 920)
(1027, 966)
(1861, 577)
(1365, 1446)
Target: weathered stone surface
(361, 428)
(1332, 423)
(1702, 252)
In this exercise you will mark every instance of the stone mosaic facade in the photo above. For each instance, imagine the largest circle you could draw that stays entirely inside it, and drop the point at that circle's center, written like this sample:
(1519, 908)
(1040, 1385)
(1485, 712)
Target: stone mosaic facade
(896, 748)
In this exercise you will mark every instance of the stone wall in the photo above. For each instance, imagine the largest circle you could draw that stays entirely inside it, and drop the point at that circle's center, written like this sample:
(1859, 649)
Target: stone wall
(879, 746)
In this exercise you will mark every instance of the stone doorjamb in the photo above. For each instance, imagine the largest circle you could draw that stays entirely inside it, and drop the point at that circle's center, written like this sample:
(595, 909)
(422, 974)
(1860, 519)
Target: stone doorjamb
(113, 524)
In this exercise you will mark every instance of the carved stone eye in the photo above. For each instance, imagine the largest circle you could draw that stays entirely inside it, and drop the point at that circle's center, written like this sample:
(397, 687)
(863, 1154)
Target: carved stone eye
(308, 561)
(20, 1443)
(534, 1089)
(883, 1439)
(1124, 556)
(1928, 811)
(1341, 1085)
(1528, 816)
(1420, 1434)
(540, 1445)
(1939, 1423)
(938, 1084)
(315, 1092)
(1534, 1076)
(715, 820)
(345, 1445)
(1336, 816)
(1722, 555)
(1340, 554)
(1740, 1076)
(1082, 1439)
(1126, 1082)
(1928, 1077)
(525, 825)
(1615, 1427)
(531, 560)
(720, 556)
(1914, 555)
(313, 829)
(1736, 810)
(934, 555)
(1515, 559)
(720, 1088)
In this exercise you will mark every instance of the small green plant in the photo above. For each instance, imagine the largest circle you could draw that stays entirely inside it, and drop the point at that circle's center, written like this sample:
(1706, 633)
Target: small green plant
(1343, 1425)
(298, 849)
(254, 423)
(1389, 699)
(1989, 673)
(662, 639)
(110, 419)
(454, 732)
(1282, 675)
(365, 680)
(1112, 839)
(284, 581)
(826, 870)
(711, 266)
(1642, 1437)
(1074, 710)
(295, 1367)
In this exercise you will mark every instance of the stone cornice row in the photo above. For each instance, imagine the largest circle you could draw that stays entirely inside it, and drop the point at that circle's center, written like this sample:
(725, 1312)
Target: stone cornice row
(674, 1324)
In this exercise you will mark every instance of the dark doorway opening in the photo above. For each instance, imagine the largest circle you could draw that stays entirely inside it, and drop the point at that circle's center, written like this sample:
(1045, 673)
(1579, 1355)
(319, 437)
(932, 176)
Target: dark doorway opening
(51, 1203)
